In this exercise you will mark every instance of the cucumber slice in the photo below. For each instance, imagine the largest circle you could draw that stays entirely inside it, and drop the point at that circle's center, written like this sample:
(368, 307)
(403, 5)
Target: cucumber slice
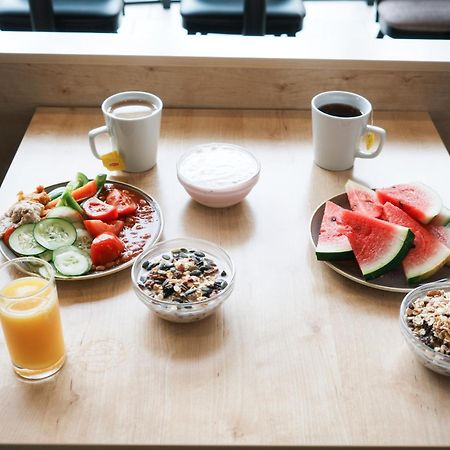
(84, 239)
(66, 213)
(57, 192)
(71, 261)
(22, 241)
(47, 255)
(54, 233)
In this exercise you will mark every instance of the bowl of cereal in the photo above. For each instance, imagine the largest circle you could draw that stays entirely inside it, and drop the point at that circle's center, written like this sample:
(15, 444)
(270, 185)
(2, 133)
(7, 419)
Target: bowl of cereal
(425, 324)
(183, 279)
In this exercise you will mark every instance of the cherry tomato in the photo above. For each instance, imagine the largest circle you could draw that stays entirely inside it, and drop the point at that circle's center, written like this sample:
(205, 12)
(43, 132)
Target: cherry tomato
(96, 209)
(105, 248)
(124, 203)
(96, 227)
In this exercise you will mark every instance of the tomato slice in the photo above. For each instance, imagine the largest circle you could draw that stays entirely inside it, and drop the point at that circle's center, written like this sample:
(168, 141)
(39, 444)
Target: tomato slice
(105, 248)
(123, 202)
(7, 234)
(96, 209)
(96, 227)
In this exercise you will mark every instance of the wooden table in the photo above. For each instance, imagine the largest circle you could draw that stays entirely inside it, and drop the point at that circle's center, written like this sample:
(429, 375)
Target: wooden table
(297, 356)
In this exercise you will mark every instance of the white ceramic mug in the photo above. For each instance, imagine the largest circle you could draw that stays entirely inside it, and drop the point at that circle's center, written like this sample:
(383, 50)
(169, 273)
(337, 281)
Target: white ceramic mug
(136, 139)
(336, 139)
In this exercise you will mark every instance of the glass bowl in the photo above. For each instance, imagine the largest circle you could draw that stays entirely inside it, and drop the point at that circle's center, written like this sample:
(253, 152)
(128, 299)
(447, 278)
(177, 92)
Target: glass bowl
(174, 310)
(218, 175)
(430, 358)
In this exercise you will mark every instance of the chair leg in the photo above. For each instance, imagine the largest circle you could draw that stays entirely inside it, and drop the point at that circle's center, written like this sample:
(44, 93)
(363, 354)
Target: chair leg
(166, 4)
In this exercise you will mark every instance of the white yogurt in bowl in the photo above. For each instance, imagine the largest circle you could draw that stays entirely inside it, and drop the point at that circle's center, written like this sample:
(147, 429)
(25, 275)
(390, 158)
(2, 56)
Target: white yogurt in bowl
(218, 174)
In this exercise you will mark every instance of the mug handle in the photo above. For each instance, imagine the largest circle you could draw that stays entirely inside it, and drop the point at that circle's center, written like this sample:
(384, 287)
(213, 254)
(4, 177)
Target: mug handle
(92, 135)
(382, 135)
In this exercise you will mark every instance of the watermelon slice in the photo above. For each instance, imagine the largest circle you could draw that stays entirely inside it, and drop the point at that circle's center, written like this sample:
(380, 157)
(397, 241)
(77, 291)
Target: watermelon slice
(442, 234)
(378, 246)
(443, 218)
(332, 245)
(418, 200)
(428, 254)
(363, 200)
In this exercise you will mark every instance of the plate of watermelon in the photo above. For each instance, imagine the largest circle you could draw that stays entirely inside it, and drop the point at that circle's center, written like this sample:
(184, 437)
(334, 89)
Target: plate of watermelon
(393, 238)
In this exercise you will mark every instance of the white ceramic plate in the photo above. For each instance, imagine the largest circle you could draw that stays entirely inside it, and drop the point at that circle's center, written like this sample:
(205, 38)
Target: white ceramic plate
(155, 233)
(394, 280)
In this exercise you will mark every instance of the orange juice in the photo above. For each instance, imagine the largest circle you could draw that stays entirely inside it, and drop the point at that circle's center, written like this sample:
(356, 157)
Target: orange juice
(31, 324)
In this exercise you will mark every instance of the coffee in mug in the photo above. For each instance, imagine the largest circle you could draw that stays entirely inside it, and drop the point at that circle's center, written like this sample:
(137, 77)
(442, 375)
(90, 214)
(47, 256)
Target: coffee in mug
(133, 121)
(132, 109)
(340, 110)
(339, 120)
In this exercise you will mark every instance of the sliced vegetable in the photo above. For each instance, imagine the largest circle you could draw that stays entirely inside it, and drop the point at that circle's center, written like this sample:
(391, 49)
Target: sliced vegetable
(71, 261)
(80, 180)
(96, 227)
(100, 180)
(68, 200)
(7, 234)
(54, 233)
(90, 189)
(124, 204)
(57, 192)
(96, 209)
(106, 248)
(66, 213)
(22, 241)
(84, 239)
(47, 255)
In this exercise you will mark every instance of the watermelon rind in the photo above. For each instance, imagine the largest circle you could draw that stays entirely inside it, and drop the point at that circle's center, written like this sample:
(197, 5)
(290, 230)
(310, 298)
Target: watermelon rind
(364, 232)
(432, 254)
(392, 259)
(443, 218)
(430, 268)
(333, 253)
(420, 201)
(442, 234)
(332, 245)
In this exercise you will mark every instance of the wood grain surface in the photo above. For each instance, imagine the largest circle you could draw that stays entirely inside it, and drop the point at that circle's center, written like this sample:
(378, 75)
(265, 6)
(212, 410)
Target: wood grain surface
(298, 355)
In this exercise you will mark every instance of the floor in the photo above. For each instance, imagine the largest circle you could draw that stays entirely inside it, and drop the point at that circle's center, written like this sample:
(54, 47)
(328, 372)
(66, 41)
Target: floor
(324, 19)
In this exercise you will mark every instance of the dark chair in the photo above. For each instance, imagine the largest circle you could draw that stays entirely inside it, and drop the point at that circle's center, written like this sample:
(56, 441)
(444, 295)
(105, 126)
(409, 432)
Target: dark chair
(69, 15)
(409, 19)
(227, 16)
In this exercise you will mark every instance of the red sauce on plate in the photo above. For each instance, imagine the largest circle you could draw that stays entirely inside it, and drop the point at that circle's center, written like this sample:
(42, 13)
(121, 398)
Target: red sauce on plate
(137, 229)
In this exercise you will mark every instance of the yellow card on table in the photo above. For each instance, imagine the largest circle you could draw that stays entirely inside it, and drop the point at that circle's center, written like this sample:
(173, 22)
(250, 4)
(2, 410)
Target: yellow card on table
(113, 161)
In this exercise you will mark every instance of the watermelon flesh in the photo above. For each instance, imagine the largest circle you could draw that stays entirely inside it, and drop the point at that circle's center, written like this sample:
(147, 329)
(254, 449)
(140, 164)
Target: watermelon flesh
(427, 256)
(442, 234)
(332, 245)
(363, 200)
(418, 200)
(378, 246)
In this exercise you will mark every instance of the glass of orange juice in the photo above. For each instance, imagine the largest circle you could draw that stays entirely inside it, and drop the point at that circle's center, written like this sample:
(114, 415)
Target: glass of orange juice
(29, 313)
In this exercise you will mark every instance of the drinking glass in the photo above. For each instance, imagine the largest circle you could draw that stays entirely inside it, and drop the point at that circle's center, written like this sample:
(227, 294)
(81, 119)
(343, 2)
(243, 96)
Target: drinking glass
(29, 314)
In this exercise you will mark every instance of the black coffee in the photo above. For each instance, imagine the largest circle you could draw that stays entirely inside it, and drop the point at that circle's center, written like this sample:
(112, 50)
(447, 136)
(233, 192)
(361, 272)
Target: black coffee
(340, 110)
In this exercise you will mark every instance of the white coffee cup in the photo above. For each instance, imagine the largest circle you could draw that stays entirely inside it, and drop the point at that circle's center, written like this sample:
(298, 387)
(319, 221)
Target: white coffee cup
(135, 135)
(337, 139)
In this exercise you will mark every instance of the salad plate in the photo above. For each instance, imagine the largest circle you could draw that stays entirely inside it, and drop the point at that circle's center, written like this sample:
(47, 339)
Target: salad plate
(393, 281)
(153, 231)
